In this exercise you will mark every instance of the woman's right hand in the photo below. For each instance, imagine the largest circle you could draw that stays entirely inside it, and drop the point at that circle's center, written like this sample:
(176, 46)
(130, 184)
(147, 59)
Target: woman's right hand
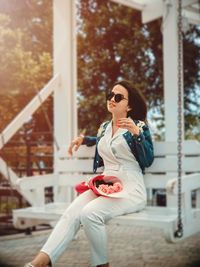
(75, 144)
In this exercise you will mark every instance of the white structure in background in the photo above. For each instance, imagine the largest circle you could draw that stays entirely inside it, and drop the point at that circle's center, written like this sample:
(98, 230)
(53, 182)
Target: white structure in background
(167, 9)
(63, 86)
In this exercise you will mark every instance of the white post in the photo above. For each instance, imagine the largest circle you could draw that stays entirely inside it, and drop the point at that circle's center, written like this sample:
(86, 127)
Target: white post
(170, 53)
(64, 41)
(65, 119)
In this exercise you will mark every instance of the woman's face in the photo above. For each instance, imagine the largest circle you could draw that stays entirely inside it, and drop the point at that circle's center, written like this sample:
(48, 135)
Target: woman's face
(118, 108)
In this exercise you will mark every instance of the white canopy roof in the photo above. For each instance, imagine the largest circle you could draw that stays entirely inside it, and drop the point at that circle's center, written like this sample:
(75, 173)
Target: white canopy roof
(153, 9)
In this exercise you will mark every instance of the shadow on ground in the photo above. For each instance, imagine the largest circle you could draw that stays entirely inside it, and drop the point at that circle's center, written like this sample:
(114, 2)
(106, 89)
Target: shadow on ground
(4, 264)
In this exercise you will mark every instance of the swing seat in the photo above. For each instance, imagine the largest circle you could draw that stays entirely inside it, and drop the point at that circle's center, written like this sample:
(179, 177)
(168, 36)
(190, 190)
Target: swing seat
(161, 177)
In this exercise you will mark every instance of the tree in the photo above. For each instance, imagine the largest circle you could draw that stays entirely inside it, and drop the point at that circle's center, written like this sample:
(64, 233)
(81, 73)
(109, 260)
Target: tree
(112, 44)
(34, 19)
(21, 73)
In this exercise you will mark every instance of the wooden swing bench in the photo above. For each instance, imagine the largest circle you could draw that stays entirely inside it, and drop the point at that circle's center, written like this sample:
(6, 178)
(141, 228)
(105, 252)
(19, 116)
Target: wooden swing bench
(161, 175)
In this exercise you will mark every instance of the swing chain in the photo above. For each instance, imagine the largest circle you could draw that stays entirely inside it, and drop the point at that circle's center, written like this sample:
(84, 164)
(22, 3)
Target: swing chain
(179, 232)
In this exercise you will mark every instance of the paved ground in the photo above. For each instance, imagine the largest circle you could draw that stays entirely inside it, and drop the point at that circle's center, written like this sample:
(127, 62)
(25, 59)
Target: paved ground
(128, 247)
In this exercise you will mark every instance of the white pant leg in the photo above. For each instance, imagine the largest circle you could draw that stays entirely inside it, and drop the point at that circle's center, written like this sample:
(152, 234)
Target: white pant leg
(67, 227)
(94, 216)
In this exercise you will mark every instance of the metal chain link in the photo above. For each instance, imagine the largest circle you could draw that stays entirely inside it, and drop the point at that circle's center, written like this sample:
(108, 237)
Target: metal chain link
(179, 232)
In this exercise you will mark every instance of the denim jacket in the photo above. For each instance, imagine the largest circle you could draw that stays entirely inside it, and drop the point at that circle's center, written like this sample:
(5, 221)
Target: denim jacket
(141, 145)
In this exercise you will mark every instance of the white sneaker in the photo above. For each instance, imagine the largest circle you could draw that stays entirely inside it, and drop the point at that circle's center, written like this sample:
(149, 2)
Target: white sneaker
(29, 264)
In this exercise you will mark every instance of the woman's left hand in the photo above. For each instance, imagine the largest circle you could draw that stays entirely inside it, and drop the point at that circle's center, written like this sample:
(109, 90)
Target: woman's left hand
(127, 123)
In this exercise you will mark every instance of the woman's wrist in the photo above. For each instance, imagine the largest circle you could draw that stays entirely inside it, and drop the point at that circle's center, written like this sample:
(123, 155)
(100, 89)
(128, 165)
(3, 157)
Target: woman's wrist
(82, 136)
(136, 131)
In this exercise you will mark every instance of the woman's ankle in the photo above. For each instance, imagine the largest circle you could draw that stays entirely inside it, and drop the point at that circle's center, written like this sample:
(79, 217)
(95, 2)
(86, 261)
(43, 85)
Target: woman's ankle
(41, 260)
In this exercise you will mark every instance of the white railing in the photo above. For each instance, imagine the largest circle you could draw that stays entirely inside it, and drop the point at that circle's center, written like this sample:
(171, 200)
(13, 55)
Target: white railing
(20, 119)
(29, 109)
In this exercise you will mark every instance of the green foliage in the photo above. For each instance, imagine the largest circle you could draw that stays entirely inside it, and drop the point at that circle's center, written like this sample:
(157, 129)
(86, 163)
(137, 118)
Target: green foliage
(113, 44)
(34, 19)
(26, 65)
(192, 83)
(6, 207)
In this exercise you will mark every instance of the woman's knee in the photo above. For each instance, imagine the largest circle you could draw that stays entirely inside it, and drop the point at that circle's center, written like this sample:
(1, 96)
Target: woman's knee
(89, 215)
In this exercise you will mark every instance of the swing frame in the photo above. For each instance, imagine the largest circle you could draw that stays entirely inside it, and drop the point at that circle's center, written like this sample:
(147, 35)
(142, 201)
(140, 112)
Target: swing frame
(32, 188)
(162, 174)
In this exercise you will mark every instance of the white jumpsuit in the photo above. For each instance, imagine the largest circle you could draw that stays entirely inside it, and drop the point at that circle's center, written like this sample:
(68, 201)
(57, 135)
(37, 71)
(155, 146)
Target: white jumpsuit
(92, 211)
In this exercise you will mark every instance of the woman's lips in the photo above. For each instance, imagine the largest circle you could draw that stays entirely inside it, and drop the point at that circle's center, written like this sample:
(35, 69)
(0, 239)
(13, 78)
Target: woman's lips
(111, 105)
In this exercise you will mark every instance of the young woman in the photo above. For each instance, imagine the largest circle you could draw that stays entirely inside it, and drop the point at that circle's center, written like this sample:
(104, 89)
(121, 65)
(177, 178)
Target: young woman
(124, 146)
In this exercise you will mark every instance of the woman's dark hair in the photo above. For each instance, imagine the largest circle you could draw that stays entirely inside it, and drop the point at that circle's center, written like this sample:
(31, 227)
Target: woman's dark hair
(136, 101)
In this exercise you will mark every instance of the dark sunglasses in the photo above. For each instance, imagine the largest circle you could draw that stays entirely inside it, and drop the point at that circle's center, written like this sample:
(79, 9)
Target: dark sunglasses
(117, 97)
